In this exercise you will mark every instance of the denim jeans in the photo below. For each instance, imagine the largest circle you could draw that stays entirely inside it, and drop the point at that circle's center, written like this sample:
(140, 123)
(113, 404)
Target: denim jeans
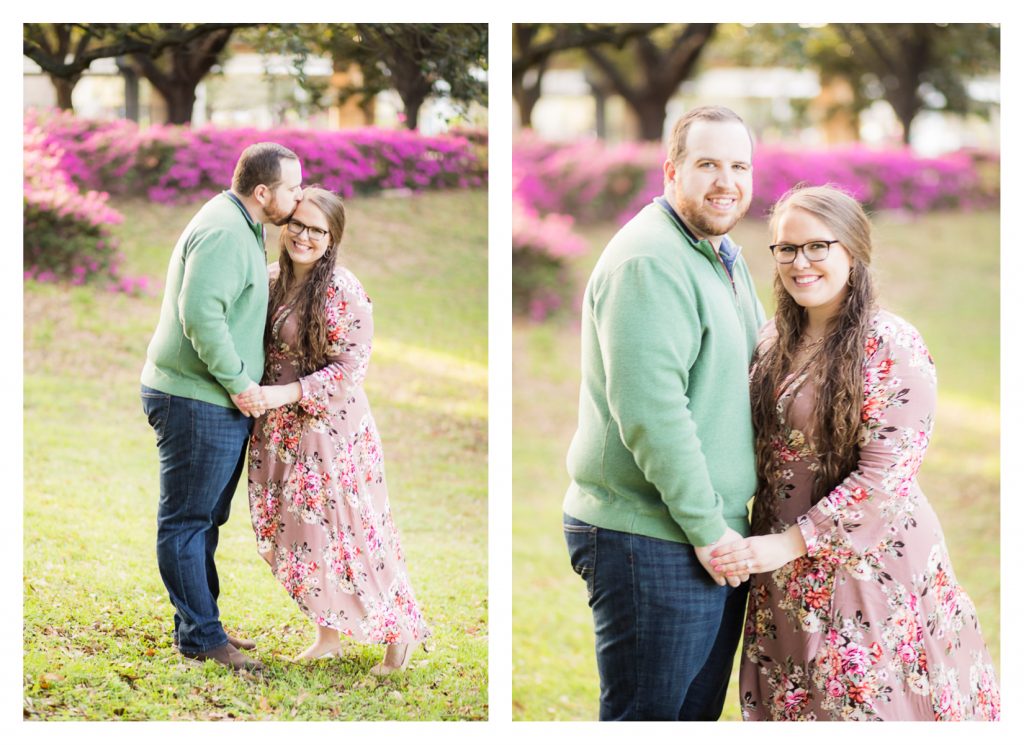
(202, 451)
(666, 634)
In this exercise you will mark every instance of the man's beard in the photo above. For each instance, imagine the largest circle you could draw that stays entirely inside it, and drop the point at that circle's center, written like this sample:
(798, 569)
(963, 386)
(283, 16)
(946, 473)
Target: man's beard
(274, 214)
(696, 215)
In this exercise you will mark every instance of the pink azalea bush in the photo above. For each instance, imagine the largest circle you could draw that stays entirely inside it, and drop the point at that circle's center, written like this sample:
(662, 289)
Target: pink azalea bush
(174, 164)
(540, 245)
(894, 179)
(67, 231)
(541, 284)
(595, 181)
(588, 179)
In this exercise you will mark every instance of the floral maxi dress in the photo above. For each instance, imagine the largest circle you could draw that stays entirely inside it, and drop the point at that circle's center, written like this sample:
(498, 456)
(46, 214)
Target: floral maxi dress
(870, 624)
(317, 495)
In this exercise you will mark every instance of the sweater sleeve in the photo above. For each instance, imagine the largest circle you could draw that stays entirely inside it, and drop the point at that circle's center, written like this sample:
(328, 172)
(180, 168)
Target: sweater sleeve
(214, 277)
(650, 335)
(350, 339)
(899, 405)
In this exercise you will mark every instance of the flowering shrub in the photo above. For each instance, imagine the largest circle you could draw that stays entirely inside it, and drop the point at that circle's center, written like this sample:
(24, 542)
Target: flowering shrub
(540, 281)
(588, 179)
(595, 181)
(880, 179)
(173, 164)
(67, 233)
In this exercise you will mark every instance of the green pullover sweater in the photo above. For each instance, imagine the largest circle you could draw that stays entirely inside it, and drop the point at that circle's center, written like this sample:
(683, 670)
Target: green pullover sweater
(209, 339)
(665, 444)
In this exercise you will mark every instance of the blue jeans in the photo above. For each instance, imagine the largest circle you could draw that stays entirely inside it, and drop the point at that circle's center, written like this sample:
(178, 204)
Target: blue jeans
(666, 634)
(202, 451)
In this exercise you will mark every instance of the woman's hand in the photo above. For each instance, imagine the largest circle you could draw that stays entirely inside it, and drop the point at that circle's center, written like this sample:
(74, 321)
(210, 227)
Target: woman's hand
(763, 553)
(249, 401)
(704, 554)
(275, 396)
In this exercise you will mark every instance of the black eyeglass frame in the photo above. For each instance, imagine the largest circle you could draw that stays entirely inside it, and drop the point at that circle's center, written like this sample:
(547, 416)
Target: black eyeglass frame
(801, 247)
(319, 235)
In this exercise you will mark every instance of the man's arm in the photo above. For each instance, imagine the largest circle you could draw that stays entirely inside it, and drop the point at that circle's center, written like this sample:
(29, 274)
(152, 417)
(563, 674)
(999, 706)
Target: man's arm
(214, 277)
(650, 335)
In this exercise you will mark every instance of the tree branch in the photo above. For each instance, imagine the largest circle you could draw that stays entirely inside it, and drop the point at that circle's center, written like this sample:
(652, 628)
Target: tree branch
(580, 36)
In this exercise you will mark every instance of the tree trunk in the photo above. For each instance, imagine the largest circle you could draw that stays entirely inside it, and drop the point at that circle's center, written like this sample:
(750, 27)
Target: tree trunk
(661, 70)
(187, 66)
(527, 96)
(906, 108)
(411, 88)
(650, 112)
(181, 98)
(412, 101)
(64, 87)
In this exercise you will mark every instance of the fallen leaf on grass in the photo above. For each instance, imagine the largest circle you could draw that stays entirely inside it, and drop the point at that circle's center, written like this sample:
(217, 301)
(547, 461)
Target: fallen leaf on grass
(150, 652)
(369, 681)
(129, 676)
(47, 679)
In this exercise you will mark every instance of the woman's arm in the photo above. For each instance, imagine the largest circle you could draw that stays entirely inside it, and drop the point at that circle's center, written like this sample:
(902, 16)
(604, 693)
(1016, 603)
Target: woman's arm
(762, 553)
(350, 337)
(856, 517)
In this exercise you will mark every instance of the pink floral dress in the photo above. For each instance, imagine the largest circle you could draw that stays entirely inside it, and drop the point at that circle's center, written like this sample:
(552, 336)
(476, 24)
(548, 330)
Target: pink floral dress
(870, 624)
(317, 496)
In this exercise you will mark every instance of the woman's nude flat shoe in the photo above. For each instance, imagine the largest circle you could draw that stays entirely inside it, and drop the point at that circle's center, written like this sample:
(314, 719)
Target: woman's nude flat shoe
(400, 659)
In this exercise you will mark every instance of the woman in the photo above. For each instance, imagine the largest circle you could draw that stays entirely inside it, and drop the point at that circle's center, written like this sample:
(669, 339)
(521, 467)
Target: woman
(854, 610)
(317, 494)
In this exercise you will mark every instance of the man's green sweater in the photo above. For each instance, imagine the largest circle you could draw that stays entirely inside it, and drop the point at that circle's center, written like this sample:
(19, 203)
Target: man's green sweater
(665, 444)
(209, 340)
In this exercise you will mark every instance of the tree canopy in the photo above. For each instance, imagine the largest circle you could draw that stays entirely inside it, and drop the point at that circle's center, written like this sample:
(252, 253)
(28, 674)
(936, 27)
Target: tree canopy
(913, 66)
(174, 57)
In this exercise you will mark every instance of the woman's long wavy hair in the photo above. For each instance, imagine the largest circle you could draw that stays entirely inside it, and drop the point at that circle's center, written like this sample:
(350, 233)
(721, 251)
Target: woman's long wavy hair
(308, 296)
(837, 367)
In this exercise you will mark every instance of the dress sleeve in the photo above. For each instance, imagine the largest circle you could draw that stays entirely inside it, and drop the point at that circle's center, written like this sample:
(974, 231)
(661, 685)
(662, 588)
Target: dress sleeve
(350, 337)
(897, 419)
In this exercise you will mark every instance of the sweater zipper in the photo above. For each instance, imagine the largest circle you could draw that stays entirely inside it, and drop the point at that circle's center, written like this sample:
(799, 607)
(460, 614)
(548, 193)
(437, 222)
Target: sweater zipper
(727, 274)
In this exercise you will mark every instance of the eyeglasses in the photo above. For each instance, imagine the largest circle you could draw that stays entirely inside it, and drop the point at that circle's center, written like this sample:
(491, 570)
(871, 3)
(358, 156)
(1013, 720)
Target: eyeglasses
(296, 228)
(785, 253)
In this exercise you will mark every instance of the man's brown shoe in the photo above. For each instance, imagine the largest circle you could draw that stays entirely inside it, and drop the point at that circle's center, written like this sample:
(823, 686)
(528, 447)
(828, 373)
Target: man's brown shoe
(229, 656)
(241, 643)
(236, 643)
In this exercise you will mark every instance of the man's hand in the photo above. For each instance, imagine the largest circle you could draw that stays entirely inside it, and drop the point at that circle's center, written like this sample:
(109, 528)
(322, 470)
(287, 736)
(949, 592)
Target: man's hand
(704, 556)
(250, 401)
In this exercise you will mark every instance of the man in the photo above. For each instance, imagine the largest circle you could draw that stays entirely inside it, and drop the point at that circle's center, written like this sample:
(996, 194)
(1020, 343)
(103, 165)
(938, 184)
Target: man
(662, 463)
(200, 385)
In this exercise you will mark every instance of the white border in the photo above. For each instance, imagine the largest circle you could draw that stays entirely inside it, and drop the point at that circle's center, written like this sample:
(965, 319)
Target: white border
(500, 16)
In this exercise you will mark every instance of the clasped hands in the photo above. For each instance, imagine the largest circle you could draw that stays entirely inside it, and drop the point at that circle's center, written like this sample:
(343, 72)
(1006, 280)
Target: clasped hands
(732, 558)
(257, 399)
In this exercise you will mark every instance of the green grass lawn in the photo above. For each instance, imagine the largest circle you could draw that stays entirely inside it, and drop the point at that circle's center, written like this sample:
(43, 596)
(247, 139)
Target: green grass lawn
(925, 278)
(97, 620)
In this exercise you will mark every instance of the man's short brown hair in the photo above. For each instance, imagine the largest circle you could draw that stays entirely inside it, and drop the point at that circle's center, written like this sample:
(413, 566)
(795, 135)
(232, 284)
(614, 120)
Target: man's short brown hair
(677, 140)
(259, 164)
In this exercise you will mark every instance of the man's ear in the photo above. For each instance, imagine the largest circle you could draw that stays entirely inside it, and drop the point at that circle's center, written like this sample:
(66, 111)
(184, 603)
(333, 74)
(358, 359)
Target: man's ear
(260, 193)
(669, 169)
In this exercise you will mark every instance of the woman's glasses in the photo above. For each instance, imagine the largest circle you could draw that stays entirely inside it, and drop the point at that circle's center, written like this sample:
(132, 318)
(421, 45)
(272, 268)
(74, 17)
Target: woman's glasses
(296, 228)
(785, 253)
